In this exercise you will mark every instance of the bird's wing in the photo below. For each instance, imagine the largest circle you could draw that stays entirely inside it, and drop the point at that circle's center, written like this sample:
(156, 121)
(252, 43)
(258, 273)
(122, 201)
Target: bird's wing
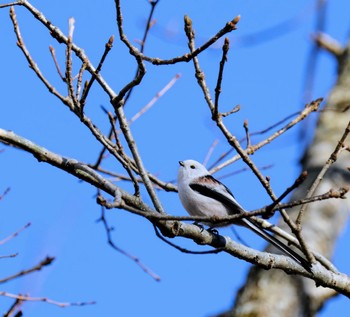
(210, 187)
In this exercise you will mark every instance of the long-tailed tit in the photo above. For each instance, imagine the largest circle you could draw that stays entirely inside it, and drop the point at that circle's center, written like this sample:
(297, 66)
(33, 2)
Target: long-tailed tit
(203, 195)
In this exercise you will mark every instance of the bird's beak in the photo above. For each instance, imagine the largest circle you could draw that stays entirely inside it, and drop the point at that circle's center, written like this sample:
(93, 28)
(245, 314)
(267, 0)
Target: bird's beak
(181, 163)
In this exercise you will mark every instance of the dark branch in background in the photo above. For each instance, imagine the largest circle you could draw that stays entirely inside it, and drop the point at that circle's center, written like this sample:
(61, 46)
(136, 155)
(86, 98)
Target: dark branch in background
(312, 60)
(321, 11)
(110, 241)
(243, 169)
(8, 256)
(183, 250)
(210, 152)
(277, 30)
(6, 191)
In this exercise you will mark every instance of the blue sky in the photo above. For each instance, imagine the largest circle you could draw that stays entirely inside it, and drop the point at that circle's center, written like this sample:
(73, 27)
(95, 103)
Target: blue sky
(266, 79)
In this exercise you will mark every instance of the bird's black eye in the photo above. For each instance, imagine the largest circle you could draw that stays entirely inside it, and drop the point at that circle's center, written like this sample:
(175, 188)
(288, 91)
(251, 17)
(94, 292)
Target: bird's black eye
(192, 166)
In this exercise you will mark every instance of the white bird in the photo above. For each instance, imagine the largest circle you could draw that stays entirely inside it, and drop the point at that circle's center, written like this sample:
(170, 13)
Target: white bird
(203, 195)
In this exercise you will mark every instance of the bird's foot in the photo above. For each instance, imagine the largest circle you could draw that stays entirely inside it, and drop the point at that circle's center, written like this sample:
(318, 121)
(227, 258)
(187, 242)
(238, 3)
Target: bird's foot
(213, 231)
(199, 226)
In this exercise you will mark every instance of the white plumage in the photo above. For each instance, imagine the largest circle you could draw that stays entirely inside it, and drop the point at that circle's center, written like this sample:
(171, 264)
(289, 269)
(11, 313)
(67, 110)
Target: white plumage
(203, 195)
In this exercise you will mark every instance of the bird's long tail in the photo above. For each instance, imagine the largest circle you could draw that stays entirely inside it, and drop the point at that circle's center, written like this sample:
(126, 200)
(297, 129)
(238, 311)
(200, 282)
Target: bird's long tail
(278, 244)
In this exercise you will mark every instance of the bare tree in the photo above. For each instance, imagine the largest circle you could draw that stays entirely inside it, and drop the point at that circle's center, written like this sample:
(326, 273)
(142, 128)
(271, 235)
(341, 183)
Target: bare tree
(329, 153)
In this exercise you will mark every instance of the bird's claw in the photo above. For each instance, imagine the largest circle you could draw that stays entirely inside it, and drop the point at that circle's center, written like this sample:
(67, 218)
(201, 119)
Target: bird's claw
(213, 231)
(199, 226)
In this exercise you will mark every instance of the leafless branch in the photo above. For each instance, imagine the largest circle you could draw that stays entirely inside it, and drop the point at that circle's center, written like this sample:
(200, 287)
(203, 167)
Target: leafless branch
(309, 108)
(31, 62)
(326, 166)
(110, 241)
(225, 49)
(8, 256)
(44, 299)
(37, 267)
(6, 191)
(17, 303)
(88, 85)
(15, 234)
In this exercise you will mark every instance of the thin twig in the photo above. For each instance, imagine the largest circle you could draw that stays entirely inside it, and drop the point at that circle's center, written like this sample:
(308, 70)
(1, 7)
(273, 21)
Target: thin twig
(243, 169)
(17, 303)
(53, 54)
(309, 108)
(181, 249)
(222, 156)
(47, 261)
(6, 191)
(229, 27)
(247, 135)
(88, 85)
(210, 152)
(15, 234)
(109, 230)
(31, 62)
(332, 158)
(8, 256)
(79, 82)
(44, 299)
(269, 211)
(149, 24)
(151, 103)
(225, 49)
(9, 4)
(69, 77)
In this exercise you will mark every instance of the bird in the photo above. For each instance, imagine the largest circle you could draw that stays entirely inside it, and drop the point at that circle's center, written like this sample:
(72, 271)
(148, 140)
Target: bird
(203, 195)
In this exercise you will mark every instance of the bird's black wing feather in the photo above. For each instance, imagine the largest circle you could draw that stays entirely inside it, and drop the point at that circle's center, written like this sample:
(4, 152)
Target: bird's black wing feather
(208, 191)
